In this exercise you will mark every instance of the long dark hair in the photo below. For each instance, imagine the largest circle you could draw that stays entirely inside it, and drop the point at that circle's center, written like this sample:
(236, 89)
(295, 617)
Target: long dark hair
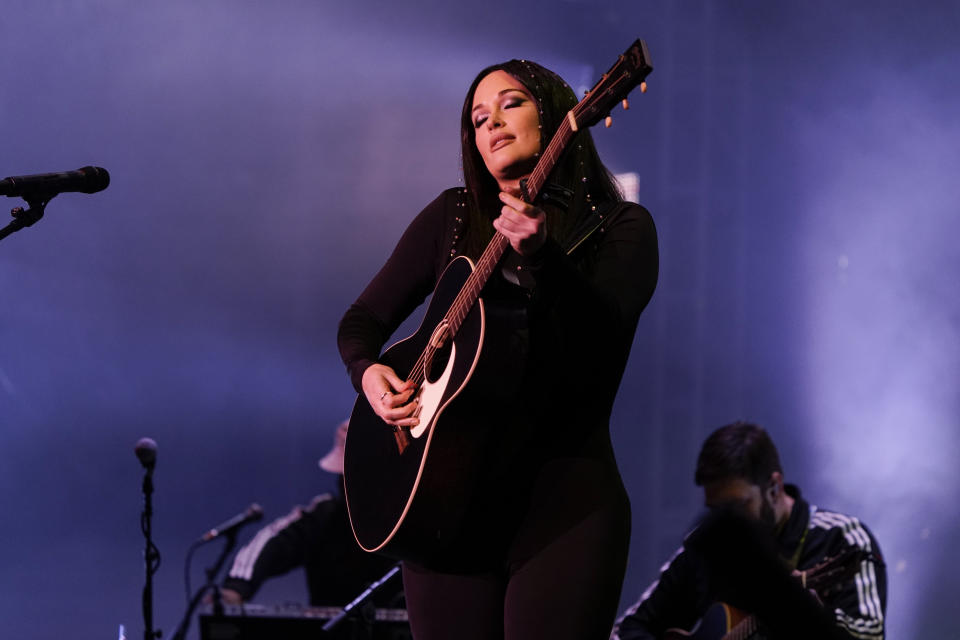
(579, 170)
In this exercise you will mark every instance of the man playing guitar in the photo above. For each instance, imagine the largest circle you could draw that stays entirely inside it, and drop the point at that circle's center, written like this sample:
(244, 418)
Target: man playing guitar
(782, 567)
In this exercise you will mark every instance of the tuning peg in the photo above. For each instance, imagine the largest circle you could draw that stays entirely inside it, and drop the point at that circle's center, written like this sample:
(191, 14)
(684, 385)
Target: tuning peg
(643, 87)
(626, 105)
(608, 121)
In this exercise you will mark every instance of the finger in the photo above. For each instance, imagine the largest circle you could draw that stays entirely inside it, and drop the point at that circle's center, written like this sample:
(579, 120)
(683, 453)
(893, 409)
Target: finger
(521, 234)
(518, 223)
(404, 416)
(499, 225)
(393, 400)
(531, 216)
(521, 207)
(515, 203)
(412, 421)
(404, 413)
(515, 239)
(396, 382)
(512, 235)
(389, 384)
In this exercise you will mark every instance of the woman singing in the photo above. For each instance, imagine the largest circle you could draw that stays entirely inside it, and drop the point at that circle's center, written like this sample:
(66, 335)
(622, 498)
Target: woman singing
(543, 547)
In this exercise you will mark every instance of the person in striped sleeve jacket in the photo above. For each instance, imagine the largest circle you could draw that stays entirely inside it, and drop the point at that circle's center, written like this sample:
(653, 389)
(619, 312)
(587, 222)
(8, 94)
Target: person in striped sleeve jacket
(781, 567)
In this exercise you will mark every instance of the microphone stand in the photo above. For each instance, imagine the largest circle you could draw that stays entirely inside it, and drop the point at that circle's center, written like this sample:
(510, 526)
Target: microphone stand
(231, 541)
(151, 556)
(359, 601)
(24, 218)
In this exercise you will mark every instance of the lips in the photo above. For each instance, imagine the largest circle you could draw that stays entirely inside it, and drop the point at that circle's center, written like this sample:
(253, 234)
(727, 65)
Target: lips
(500, 140)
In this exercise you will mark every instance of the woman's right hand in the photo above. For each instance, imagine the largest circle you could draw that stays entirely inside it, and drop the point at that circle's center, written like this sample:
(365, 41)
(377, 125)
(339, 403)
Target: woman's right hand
(390, 397)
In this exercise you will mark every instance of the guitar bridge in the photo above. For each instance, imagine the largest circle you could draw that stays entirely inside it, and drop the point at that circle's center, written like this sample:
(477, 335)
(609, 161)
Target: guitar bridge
(402, 436)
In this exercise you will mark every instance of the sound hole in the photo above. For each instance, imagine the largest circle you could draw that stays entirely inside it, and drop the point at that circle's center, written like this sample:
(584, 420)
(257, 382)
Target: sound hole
(438, 362)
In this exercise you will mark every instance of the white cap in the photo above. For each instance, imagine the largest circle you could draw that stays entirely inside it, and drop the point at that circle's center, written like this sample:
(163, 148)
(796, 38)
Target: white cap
(333, 461)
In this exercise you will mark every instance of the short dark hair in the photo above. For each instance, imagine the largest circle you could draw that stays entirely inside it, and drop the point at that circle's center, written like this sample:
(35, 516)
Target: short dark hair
(738, 450)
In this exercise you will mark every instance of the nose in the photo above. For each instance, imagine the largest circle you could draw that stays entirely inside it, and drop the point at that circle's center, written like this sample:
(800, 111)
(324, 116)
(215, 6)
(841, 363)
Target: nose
(493, 120)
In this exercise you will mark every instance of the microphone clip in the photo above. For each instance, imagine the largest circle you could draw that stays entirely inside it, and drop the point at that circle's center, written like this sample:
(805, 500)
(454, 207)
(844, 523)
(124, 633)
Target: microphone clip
(26, 217)
(23, 218)
(37, 202)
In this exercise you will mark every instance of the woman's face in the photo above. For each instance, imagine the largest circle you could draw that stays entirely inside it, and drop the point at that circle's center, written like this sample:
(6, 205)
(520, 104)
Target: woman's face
(507, 126)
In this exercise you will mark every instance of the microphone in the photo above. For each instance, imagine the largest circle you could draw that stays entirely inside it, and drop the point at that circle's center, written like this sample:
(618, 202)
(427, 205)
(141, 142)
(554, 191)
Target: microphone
(146, 450)
(253, 513)
(47, 185)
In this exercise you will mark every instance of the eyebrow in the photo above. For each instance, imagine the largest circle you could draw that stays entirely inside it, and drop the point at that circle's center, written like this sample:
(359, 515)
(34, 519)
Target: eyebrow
(500, 93)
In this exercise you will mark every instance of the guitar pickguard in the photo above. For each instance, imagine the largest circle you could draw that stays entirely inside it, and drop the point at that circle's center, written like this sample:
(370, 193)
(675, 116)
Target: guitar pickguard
(431, 395)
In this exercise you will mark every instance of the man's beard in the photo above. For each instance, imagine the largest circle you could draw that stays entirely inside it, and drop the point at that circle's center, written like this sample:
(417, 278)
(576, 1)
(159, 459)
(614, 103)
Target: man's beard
(767, 516)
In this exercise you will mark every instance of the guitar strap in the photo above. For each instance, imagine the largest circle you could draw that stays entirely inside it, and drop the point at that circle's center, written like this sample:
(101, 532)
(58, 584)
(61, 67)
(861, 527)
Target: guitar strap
(601, 215)
(795, 559)
(604, 214)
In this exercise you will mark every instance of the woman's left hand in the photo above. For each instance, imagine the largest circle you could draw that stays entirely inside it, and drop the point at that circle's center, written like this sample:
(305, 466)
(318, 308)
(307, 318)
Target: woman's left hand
(523, 224)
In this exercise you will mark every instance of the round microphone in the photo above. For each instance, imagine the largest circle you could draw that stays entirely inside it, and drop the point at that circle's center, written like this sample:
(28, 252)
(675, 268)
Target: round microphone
(146, 450)
(84, 180)
(253, 513)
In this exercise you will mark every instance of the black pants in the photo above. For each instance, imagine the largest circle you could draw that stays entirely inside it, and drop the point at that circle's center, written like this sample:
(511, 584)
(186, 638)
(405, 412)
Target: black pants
(562, 575)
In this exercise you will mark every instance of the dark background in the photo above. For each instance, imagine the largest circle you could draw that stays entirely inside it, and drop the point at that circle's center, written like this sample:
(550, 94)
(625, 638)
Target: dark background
(800, 160)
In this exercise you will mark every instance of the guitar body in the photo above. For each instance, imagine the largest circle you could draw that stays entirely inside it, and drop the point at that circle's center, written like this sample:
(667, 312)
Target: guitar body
(408, 504)
(738, 620)
(720, 622)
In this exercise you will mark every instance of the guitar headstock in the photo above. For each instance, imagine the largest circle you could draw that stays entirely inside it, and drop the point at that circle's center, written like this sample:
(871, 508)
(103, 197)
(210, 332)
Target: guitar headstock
(828, 575)
(628, 71)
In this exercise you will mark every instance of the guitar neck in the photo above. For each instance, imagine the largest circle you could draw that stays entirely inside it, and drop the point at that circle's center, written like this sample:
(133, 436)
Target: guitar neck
(548, 160)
